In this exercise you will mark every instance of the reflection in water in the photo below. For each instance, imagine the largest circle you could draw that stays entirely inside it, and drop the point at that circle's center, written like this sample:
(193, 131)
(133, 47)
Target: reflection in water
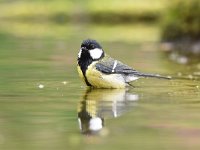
(99, 104)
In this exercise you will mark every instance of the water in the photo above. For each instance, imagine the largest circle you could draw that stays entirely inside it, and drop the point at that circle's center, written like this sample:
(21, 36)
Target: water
(44, 105)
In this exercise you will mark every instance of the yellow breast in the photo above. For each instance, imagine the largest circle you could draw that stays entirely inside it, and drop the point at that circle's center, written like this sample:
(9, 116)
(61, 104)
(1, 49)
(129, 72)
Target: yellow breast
(99, 80)
(80, 73)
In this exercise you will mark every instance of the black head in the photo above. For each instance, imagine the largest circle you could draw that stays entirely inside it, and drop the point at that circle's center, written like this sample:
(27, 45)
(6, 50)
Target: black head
(90, 50)
(90, 44)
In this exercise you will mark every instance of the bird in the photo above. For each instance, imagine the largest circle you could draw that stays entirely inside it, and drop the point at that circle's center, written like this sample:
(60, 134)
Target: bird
(98, 70)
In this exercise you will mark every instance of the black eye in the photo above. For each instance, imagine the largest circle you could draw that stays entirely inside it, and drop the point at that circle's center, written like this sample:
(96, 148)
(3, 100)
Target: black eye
(92, 46)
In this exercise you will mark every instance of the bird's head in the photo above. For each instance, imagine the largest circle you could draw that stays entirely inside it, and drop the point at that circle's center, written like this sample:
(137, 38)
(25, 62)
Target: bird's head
(90, 49)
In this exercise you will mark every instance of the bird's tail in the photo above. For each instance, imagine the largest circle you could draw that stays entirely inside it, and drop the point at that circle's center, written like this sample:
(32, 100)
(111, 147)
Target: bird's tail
(152, 75)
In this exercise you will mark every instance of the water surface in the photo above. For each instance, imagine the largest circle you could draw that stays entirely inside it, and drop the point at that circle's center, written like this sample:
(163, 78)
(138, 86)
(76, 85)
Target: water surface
(42, 99)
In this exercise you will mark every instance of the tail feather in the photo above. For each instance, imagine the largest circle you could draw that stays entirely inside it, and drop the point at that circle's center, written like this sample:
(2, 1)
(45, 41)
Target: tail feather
(152, 75)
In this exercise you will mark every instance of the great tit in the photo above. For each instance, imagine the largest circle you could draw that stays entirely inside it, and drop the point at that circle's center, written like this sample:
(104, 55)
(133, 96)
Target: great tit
(99, 70)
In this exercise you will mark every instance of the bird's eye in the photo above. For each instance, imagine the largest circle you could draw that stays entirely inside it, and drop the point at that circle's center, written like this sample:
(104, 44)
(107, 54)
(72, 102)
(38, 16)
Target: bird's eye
(92, 46)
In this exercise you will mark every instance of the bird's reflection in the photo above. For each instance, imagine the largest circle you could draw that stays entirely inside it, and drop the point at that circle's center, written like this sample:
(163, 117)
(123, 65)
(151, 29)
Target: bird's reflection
(100, 104)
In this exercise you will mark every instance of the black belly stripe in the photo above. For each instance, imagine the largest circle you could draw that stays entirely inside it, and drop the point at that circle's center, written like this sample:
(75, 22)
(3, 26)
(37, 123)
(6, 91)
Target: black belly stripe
(86, 80)
(84, 66)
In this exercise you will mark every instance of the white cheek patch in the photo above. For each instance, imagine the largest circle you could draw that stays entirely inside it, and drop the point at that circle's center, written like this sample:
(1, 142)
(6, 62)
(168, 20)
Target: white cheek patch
(79, 53)
(96, 53)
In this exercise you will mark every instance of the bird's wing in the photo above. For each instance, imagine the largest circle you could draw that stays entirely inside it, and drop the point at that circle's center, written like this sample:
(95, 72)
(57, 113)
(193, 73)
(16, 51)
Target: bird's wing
(109, 65)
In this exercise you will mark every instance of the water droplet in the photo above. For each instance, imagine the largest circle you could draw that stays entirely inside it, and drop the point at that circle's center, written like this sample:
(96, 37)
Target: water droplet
(41, 86)
(64, 82)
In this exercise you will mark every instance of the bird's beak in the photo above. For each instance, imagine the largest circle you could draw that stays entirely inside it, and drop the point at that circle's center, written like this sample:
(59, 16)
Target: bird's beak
(84, 48)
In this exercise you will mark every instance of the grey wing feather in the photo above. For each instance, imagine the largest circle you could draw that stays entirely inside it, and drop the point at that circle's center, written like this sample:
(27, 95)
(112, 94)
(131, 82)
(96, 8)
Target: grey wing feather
(107, 66)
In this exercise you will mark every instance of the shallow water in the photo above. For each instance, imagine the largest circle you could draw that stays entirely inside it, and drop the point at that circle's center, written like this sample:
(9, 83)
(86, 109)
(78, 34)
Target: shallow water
(44, 105)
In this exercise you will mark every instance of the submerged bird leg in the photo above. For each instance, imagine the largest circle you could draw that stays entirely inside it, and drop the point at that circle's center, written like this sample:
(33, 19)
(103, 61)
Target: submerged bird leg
(130, 85)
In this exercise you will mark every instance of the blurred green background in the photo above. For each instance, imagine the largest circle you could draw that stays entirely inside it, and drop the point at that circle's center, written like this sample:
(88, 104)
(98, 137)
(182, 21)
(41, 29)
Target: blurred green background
(149, 20)
(41, 18)
(39, 42)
